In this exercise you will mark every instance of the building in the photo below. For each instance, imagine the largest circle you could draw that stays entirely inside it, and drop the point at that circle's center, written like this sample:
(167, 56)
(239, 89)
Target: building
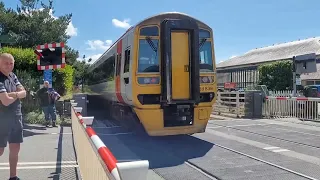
(242, 70)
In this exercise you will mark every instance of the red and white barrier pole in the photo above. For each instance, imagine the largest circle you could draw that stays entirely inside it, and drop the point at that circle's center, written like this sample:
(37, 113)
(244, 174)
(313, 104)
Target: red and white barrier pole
(120, 171)
(104, 153)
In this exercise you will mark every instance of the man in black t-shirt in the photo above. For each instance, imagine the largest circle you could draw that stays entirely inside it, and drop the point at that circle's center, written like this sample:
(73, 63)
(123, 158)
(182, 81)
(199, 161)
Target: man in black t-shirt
(47, 100)
(11, 128)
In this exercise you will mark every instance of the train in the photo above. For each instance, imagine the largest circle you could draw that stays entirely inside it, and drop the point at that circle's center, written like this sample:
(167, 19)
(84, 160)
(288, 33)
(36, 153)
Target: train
(162, 73)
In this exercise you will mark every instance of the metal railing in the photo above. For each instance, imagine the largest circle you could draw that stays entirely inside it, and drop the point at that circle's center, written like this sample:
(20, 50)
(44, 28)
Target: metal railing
(296, 107)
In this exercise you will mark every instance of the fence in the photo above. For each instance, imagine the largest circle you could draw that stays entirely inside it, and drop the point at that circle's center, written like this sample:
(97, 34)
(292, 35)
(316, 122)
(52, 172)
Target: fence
(283, 93)
(297, 107)
(230, 103)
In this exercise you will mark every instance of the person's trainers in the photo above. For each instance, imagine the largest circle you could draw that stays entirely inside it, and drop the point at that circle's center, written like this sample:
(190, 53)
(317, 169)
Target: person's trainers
(54, 124)
(14, 178)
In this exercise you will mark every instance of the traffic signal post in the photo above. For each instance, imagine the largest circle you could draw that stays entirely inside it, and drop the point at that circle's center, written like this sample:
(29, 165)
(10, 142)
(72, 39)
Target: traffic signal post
(49, 57)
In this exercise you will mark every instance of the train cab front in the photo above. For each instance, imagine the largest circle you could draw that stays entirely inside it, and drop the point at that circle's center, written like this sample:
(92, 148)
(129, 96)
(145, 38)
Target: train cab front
(184, 87)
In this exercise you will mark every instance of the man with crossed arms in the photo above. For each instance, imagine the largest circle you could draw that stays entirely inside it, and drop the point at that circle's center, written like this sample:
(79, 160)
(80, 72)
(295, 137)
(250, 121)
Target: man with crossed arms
(11, 127)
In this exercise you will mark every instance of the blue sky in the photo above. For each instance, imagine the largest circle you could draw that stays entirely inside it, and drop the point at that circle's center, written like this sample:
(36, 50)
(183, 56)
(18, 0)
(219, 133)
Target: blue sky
(238, 25)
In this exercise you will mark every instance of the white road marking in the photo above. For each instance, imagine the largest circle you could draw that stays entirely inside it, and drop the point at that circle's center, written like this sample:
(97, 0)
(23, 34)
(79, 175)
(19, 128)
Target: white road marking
(269, 148)
(280, 150)
(41, 167)
(41, 163)
(61, 133)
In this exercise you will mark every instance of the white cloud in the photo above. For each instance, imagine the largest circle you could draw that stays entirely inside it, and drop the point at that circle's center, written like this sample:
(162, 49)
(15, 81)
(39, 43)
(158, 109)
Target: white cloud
(233, 56)
(71, 30)
(121, 24)
(99, 45)
(93, 58)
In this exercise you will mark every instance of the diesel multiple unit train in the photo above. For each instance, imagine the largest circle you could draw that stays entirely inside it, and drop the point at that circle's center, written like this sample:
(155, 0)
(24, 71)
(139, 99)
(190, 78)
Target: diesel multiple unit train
(160, 71)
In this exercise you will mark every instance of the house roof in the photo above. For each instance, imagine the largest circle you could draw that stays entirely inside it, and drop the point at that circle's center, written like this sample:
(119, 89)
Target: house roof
(274, 52)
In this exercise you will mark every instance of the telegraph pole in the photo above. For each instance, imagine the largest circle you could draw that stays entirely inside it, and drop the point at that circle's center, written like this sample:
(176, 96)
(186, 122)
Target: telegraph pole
(294, 76)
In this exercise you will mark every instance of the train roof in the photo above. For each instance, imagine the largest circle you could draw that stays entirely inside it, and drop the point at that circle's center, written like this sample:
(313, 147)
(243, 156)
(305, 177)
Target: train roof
(164, 15)
(150, 20)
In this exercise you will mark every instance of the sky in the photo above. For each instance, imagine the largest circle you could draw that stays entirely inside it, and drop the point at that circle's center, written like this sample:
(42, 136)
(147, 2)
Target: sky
(238, 26)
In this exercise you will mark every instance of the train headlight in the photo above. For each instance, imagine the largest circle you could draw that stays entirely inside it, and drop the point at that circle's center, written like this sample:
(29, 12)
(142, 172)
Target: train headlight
(148, 80)
(206, 79)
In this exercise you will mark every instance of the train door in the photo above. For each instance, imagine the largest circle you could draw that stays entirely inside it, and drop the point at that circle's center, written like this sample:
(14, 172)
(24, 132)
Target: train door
(126, 74)
(180, 65)
(180, 62)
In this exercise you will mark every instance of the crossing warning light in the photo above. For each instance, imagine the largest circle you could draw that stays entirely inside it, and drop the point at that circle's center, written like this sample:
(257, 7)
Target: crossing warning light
(50, 56)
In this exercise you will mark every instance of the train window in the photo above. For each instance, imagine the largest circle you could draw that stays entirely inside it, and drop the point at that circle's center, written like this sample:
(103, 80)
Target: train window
(149, 31)
(118, 64)
(148, 56)
(104, 72)
(204, 33)
(127, 61)
(205, 54)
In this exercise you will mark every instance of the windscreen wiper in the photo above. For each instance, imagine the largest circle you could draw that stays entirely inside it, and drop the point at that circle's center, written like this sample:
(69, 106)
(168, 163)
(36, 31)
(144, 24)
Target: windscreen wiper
(202, 42)
(151, 44)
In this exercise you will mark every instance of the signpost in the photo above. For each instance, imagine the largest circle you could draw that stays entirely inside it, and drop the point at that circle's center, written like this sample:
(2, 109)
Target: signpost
(47, 76)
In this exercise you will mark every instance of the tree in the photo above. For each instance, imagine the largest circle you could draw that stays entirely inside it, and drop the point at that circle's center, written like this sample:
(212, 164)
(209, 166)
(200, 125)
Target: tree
(31, 26)
(81, 71)
(276, 75)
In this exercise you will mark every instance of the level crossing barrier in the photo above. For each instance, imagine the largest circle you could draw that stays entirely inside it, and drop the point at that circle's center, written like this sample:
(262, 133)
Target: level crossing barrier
(95, 160)
(303, 108)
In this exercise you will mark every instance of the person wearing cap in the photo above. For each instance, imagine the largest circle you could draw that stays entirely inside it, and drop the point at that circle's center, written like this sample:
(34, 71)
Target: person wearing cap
(47, 100)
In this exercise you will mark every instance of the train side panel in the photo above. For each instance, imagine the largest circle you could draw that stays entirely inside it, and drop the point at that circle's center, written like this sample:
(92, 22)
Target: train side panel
(102, 79)
(126, 67)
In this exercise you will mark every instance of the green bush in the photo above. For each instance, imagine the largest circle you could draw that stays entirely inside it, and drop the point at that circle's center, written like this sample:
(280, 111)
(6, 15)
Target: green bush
(276, 75)
(25, 59)
(37, 117)
(63, 80)
(26, 64)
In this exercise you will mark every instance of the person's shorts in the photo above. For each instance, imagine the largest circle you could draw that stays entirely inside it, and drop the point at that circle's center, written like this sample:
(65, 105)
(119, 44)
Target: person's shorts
(13, 132)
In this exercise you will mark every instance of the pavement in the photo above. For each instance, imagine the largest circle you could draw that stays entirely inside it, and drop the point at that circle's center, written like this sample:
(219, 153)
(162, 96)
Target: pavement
(47, 153)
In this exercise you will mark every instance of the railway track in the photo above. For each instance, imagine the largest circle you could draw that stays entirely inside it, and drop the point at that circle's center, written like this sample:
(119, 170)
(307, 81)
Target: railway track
(273, 137)
(212, 176)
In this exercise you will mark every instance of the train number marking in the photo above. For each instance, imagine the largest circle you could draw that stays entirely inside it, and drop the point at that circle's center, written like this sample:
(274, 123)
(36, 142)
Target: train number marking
(206, 88)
